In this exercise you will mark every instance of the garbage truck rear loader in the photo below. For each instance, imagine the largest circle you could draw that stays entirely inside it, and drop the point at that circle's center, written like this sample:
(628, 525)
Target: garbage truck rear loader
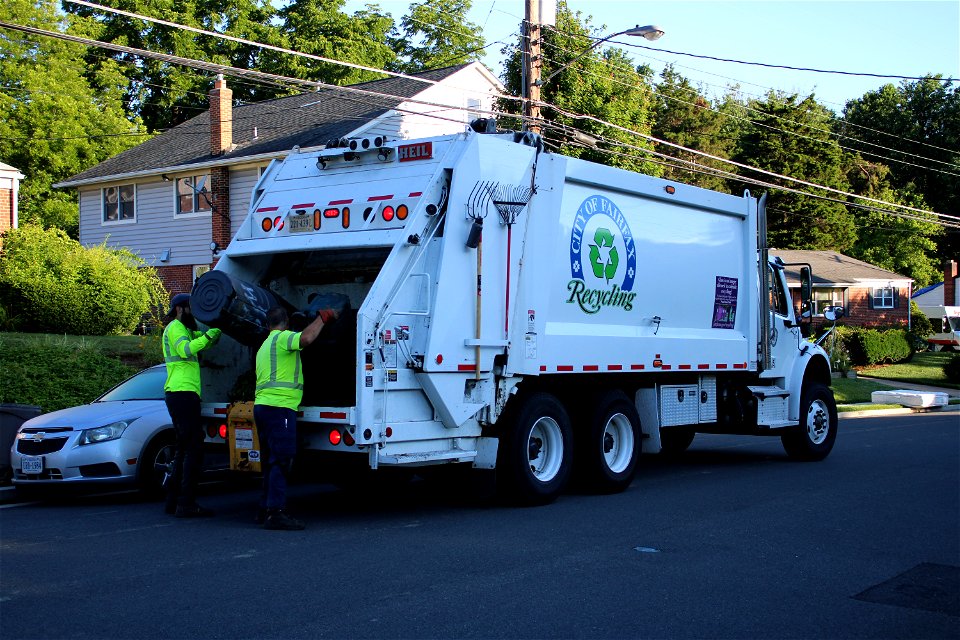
(515, 309)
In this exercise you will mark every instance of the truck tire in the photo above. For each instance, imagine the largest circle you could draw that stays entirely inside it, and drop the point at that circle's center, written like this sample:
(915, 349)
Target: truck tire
(608, 452)
(535, 456)
(813, 439)
(675, 440)
(159, 452)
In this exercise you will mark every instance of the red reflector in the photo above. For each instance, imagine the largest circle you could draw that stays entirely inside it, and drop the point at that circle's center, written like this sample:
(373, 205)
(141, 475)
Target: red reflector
(389, 431)
(670, 190)
(402, 212)
(267, 224)
(334, 437)
(220, 411)
(331, 212)
(439, 358)
(658, 363)
(223, 431)
(348, 439)
(278, 223)
(211, 431)
(131, 461)
(388, 213)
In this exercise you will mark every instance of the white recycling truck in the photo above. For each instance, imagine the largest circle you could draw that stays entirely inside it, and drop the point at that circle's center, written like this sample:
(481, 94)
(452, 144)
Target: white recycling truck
(517, 310)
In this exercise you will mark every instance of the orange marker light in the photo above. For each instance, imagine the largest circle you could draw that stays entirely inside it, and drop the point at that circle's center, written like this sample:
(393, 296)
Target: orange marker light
(345, 217)
(267, 224)
(402, 212)
(316, 219)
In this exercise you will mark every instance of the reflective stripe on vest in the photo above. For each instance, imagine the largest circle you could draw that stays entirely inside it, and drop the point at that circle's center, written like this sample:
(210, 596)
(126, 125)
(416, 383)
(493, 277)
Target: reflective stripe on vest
(169, 355)
(273, 383)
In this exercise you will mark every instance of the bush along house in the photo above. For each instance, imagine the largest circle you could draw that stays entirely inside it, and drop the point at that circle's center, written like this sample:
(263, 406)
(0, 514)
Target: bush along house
(870, 296)
(178, 199)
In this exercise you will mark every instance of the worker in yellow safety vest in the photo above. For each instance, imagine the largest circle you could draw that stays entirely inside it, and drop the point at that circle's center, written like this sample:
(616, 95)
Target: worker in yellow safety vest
(181, 344)
(278, 395)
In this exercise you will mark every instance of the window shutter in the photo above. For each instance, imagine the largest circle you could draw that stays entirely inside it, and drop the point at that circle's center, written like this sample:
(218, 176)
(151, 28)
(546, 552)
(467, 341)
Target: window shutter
(896, 297)
(870, 298)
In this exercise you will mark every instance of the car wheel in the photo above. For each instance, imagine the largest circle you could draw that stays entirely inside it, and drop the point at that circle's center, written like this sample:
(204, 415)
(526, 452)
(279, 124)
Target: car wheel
(813, 439)
(157, 455)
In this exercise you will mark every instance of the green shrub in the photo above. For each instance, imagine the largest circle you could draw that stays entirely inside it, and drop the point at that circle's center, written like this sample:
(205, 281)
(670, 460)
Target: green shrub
(920, 328)
(870, 346)
(952, 369)
(56, 285)
(55, 374)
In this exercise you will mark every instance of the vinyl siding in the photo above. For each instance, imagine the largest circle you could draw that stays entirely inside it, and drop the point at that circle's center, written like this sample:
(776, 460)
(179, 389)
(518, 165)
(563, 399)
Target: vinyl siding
(154, 229)
(242, 182)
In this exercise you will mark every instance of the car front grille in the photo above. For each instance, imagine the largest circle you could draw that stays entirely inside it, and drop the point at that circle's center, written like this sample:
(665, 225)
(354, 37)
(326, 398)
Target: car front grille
(34, 448)
(47, 474)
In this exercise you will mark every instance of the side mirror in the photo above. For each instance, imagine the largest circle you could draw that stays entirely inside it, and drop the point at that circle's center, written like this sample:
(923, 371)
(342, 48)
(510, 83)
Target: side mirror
(833, 313)
(806, 283)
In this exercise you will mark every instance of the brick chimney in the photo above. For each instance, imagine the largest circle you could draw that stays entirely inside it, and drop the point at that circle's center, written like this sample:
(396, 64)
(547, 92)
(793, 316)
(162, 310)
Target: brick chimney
(221, 118)
(950, 283)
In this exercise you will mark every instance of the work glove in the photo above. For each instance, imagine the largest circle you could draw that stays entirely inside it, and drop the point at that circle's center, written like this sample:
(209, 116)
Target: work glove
(213, 334)
(328, 315)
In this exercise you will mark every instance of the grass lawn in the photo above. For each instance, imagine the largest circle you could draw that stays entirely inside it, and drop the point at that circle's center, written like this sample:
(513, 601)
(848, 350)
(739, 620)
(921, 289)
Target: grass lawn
(924, 368)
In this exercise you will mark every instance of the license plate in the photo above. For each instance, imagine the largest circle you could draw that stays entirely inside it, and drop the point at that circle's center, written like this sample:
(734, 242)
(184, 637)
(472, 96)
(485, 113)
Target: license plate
(31, 464)
(300, 223)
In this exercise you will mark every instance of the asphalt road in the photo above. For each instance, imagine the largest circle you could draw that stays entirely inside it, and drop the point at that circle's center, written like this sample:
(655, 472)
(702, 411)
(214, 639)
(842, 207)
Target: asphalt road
(732, 541)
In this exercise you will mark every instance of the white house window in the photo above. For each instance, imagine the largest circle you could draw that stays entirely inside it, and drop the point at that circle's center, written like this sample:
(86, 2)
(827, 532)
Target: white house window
(882, 297)
(473, 109)
(193, 194)
(119, 203)
(823, 298)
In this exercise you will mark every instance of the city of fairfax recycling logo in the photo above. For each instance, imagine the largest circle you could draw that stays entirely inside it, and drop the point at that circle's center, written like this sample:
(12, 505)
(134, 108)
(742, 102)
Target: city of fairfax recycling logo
(601, 240)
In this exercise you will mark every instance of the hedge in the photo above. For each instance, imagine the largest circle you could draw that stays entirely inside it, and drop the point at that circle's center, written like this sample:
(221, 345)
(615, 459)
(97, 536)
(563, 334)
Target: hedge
(870, 346)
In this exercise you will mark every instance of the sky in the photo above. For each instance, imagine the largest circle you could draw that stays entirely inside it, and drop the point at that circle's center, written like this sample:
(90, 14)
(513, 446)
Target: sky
(902, 38)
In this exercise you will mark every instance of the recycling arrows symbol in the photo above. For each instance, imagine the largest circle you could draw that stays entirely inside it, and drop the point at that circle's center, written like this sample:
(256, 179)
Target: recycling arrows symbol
(603, 255)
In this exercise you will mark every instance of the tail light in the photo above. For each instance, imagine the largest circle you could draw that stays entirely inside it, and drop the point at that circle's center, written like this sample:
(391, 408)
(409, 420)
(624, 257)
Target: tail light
(334, 437)
(223, 431)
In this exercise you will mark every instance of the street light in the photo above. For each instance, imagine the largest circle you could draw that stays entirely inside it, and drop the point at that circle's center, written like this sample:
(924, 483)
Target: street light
(650, 32)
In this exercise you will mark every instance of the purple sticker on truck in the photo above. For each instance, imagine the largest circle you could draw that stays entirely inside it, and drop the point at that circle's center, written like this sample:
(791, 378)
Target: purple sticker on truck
(725, 303)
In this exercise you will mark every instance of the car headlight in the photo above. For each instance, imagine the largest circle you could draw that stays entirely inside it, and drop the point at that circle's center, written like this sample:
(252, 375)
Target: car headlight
(103, 434)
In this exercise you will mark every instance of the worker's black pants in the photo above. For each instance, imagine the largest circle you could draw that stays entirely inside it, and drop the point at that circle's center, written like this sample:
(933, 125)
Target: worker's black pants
(184, 408)
(277, 428)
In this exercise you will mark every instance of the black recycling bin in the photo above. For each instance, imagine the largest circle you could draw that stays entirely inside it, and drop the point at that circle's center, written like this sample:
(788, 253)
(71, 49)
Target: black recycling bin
(11, 417)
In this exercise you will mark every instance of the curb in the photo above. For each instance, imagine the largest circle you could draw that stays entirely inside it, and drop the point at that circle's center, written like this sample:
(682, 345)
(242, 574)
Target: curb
(950, 408)
(8, 494)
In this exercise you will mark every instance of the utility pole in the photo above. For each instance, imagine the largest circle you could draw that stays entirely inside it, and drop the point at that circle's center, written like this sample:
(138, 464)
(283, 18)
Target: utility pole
(532, 64)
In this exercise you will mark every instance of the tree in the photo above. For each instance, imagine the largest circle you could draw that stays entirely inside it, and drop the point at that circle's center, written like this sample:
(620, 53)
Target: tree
(683, 116)
(320, 28)
(436, 34)
(806, 152)
(57, 116)
(601, 85)
(903, 245)
(920, 121)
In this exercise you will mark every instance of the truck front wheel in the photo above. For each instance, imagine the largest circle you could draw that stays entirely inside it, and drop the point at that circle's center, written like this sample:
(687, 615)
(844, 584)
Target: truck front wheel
(813, 439)
(608, 457)
(535, 456)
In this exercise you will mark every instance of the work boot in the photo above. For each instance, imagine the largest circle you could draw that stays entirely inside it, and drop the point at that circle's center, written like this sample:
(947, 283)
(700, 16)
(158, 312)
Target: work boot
(193, 511)
(279, 520)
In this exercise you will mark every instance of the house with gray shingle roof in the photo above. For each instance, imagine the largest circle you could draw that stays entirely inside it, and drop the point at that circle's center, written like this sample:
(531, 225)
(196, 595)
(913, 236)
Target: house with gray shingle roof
(869, 295)
(10, 179)
(179, 198)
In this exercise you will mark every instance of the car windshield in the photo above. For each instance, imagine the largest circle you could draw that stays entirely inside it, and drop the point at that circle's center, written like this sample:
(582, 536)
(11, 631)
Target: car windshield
(146, 385)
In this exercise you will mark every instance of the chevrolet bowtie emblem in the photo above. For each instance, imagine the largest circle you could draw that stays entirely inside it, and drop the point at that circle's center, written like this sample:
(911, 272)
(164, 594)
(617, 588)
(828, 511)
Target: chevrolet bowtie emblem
(37, 437)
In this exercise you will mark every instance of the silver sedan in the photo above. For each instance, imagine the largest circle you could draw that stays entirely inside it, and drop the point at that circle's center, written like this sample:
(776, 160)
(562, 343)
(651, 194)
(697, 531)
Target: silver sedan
(123, 437)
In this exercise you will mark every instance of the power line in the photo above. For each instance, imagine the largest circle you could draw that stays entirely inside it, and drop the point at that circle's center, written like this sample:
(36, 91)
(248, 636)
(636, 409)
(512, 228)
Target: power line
(786, 120)
(275, 78)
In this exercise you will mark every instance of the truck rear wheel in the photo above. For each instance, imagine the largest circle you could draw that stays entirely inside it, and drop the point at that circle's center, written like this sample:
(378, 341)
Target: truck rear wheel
(535, 456)
(608, 457)
(813, 439)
